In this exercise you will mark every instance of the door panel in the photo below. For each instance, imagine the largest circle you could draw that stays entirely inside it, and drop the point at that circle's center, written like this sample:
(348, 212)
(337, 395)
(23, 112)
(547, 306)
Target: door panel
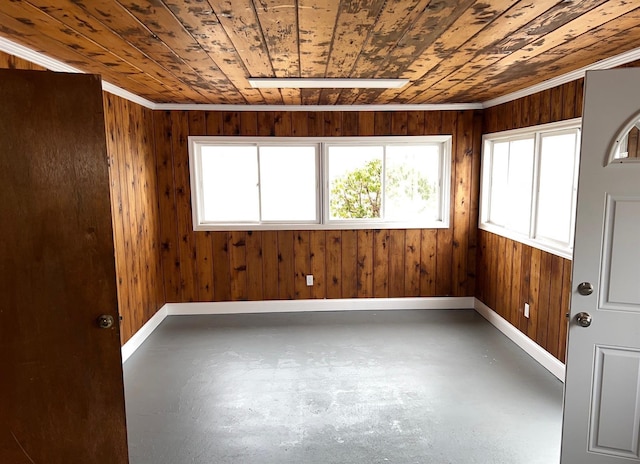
(602, 389)
(621, 257)
(614, 427)
(61, 390)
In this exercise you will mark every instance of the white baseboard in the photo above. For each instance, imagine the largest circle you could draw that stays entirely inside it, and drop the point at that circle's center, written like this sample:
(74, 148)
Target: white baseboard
(141, 335)
(279, 306)
(544, 358)
(348, 304)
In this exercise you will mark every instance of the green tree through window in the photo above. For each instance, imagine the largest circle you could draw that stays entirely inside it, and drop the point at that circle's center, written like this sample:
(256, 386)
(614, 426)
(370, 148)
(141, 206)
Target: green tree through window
(358, 193)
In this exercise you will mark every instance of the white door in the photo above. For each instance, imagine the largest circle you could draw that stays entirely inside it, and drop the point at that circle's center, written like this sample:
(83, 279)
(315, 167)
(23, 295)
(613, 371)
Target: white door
(602, 391)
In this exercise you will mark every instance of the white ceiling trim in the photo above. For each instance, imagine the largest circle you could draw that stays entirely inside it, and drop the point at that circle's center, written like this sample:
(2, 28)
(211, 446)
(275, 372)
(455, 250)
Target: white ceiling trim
(607, 63)
(52, 64)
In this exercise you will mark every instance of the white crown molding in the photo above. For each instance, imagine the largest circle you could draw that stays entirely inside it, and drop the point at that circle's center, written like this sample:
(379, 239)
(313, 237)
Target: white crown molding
(52, 64)
(607, 63)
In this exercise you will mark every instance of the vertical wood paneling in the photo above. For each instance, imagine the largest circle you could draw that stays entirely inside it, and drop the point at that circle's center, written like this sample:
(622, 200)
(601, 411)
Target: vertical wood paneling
(565, 307)
(445, 254)
(167, 204)
(317, 258)
(525, 279)
(301, 252)
(381, 263)
(349, 257)
(428, 262)
(463, 164)
(186, 246)
(270, 264)
(135, 214)
(345, 264)
(365, 263)
(555, 305)
(396, 262)
(334, 264)
(513, 274)
(515, 305)
(238, 265)
(221, 266)
(540, 279)
(286, 266)
(126, 271)
(255, 288)
(167, 258)
(543, 298)
(412, 262)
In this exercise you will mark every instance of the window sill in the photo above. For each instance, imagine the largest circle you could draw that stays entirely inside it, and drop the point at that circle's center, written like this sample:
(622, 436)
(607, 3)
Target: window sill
(540, 245)
(328, 226)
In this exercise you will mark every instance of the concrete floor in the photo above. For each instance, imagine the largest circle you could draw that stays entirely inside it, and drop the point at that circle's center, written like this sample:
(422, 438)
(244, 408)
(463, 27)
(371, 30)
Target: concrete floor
(340, 387)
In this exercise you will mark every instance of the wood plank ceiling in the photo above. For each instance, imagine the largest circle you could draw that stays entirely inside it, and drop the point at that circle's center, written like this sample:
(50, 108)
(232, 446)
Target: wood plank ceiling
(203, 51)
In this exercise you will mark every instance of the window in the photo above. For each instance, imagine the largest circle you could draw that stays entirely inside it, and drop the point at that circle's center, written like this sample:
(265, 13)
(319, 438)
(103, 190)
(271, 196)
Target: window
(246, 183)
(529, 181)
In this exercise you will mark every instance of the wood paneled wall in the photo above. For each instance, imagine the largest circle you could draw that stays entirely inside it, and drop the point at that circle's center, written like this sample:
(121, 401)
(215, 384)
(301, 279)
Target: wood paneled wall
(511, 273)
(134, 206)
(552, 105)
(267, 265)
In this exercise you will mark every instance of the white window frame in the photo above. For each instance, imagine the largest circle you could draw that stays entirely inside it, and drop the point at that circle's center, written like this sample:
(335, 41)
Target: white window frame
(531, 239)
(322, 221)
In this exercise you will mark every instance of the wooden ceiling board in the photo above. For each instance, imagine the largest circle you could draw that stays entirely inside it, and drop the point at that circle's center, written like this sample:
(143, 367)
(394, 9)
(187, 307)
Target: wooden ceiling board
(390, 27)
(436, 18)
(624, 36)
(353, 25)
(124, 24)
(201, 21)
(73, 16)
(240, 22)
(279, 22)
(23, 31)
(210, 81)
(565, 42)
(204, 51)
(472, 21)
(543, 24)
(440, 78)
(316, 21)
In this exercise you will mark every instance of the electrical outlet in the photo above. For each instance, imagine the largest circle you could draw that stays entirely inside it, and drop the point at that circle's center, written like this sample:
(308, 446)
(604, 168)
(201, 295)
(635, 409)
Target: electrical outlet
(309, 281)
(526, 310)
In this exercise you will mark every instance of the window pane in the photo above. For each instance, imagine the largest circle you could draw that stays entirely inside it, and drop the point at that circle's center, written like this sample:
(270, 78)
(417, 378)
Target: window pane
(230, 183)
(355, 182)
(498, 206)
(411, 182)
(555, 191)
(288, 183)
(520, 185)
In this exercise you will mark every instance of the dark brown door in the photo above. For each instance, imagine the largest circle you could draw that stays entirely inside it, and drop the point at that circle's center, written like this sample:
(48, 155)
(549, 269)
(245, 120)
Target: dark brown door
(61, 391)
